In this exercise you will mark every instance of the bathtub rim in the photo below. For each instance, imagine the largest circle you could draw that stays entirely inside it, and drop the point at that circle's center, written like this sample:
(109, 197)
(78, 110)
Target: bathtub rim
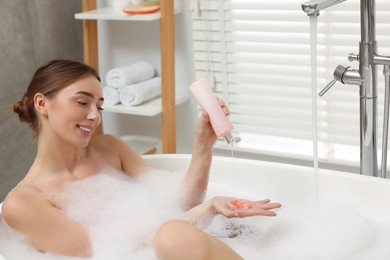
(226, 159)
(360, 191)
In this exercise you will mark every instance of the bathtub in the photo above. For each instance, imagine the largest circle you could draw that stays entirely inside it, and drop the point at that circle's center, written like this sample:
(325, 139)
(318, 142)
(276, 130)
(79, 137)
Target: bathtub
(289, 185)
(362, 197)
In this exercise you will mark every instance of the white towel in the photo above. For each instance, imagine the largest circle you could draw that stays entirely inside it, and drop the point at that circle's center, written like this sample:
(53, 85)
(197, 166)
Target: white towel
(135, 94)
(111, 95)
(137, 72)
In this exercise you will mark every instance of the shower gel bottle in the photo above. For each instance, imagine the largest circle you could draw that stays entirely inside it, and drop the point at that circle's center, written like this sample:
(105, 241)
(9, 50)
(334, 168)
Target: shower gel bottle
(208, 102)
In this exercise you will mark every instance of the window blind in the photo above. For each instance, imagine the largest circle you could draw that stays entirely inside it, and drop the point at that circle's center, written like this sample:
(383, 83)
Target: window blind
(257, 55)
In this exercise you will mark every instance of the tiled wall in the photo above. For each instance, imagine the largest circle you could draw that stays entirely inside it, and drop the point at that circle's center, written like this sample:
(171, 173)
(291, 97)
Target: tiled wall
(31, 33)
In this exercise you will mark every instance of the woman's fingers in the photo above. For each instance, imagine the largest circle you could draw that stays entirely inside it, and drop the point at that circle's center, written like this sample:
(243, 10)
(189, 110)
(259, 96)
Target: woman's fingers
(233, 207)
(246, 208)
(255, 212)
(263, 201)
(267, 205)
(205, 116)
(223, 106)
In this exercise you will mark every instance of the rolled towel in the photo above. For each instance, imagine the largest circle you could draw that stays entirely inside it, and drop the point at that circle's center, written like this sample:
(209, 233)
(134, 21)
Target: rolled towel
(111, 95)
(137, 72)
(135, 94)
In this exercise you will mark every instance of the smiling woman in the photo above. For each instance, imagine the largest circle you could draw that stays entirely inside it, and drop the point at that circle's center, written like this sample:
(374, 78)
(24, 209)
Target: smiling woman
(84, 98)
(48, 80)
(80, 102)
(62, 106)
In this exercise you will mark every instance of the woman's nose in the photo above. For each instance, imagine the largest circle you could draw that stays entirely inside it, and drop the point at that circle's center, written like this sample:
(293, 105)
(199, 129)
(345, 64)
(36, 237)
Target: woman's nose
(94, 114)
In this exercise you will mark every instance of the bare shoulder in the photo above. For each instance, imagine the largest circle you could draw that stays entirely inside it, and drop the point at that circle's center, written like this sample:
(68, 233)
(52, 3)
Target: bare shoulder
(40, 222)
(105, 140)
(18, 202)
(108, 148)
(129, 161)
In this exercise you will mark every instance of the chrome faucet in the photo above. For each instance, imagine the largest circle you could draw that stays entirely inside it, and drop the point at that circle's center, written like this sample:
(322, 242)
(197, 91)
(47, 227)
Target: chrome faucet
(366, 79)
(315, 6)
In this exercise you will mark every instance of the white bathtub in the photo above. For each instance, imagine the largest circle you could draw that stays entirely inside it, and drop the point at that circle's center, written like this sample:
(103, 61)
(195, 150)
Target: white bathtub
(362, 197)
(290, 185)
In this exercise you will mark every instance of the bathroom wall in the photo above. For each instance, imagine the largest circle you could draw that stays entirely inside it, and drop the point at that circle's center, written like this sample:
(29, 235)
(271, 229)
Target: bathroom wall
(31, 33)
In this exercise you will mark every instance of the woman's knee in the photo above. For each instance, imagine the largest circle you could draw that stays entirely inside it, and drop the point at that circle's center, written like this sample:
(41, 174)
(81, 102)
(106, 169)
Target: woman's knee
(168, 234)
(177, 238)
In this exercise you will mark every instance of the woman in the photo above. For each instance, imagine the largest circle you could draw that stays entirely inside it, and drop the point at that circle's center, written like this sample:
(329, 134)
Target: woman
(62, 107)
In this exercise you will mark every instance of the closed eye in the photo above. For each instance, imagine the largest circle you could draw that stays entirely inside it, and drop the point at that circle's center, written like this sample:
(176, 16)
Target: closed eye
(82, 103)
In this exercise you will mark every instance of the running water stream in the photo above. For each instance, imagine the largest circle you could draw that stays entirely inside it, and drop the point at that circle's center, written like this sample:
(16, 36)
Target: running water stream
(313, 46)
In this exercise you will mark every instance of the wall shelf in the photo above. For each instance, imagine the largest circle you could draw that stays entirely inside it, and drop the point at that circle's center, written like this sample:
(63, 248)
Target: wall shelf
(150, 108)
(108, 13)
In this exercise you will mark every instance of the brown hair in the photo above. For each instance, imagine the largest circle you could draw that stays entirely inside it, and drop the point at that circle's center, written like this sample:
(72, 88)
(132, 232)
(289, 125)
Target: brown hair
(48, 80)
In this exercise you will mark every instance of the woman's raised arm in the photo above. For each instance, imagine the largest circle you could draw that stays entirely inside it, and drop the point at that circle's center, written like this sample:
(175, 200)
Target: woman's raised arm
(196, 181)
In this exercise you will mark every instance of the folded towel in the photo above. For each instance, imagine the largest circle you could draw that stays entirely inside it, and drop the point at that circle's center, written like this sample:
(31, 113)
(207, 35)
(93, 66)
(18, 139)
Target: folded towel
(137, 72)
(135, 94)
(111, 95)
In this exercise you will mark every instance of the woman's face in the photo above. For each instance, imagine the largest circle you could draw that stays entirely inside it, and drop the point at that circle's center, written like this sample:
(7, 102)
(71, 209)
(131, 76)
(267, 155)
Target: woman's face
(74, 112)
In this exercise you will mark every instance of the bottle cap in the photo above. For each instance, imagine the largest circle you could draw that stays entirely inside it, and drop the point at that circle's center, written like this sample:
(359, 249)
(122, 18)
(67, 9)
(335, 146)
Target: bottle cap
(230, 139)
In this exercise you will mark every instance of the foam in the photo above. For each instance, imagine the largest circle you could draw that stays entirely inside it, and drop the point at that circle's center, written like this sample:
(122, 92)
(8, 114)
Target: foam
(126, 212)
(336, 232)
(123, 213)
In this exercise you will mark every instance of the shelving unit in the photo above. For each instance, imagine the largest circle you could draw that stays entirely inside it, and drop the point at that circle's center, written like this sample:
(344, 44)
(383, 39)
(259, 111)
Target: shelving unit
(108, 13)
(166, 105)
(150, 108)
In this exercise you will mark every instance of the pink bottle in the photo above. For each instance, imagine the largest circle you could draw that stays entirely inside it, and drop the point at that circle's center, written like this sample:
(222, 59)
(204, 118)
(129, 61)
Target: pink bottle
(208, 102)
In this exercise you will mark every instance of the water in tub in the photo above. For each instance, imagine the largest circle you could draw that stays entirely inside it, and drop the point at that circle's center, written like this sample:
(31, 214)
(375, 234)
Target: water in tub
(122, 214)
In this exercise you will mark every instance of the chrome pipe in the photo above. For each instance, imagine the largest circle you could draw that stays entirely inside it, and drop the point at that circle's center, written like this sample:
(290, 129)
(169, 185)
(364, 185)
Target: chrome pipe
(367, 20)
(368, 137)
(368, 90)
(386, 72)
(381, 60)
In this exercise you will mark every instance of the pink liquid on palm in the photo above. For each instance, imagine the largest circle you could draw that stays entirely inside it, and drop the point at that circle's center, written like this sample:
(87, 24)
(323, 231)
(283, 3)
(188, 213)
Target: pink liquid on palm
(208, 102)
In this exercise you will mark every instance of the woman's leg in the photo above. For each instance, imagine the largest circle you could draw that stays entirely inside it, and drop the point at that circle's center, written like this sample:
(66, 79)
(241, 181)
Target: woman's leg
(178, 239)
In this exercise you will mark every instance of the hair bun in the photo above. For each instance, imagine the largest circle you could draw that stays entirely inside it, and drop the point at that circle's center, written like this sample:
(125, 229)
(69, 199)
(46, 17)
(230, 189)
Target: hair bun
(21, 108)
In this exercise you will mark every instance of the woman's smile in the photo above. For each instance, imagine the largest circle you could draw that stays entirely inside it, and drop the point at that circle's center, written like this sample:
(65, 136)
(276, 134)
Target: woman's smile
(86, 130)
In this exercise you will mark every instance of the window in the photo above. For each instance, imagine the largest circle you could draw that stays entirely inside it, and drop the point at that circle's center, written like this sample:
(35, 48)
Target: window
(257, 54)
